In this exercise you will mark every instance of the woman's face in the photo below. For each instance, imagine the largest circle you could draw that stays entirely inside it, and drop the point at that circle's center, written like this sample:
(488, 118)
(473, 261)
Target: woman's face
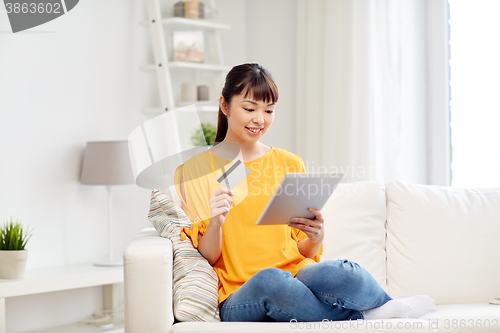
(248, 119)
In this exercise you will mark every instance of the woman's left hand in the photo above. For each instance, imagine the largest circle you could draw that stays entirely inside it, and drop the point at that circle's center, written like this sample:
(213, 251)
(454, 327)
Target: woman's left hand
(312, 227)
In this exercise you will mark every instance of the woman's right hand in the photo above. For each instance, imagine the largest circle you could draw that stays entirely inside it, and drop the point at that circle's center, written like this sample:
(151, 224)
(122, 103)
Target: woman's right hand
(220, 202)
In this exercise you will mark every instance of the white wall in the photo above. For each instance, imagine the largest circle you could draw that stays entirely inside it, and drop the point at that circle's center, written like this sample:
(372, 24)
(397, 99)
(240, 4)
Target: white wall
(234, 41)
(72, 80)
(77, 79)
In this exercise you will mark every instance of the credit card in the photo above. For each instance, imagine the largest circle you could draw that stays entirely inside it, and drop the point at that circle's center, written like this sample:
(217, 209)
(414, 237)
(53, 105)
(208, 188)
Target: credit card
(233, 175)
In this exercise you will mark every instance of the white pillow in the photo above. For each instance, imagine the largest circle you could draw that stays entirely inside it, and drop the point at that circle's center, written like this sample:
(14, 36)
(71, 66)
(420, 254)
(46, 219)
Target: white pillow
(443, 242)
(355, 227)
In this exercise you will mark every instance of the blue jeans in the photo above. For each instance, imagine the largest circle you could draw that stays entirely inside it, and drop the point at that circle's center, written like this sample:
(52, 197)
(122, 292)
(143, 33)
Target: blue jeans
(332, 290)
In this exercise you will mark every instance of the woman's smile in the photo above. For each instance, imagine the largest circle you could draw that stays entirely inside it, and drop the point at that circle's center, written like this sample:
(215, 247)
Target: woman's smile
(254, 130)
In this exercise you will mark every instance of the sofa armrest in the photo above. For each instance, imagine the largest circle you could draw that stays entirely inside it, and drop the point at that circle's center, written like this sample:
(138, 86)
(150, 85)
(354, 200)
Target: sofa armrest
(148, 265)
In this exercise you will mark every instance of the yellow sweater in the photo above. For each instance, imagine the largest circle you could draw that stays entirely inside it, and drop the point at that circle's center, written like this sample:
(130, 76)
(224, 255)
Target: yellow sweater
(246, 248)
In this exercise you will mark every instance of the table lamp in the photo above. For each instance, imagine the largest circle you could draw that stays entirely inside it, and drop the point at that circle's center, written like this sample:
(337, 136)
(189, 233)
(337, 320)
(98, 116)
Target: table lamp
(107, 163)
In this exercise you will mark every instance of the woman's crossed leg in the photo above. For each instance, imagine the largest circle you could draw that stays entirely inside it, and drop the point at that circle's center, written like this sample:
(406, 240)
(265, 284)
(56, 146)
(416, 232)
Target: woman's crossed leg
(332, 290)
(347, 283)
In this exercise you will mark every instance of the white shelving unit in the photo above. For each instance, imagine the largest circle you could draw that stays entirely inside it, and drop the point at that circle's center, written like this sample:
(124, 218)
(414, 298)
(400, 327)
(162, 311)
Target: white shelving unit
(80, 329)
(171, 74)
(65, 278)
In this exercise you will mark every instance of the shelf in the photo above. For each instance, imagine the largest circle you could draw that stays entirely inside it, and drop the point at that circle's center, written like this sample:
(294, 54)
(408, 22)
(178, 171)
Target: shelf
(199, 107)
(76, 328)
(152, 110)
(183, 23)
(47, 280)
(194, 65)
(189, 65)
(60, 278)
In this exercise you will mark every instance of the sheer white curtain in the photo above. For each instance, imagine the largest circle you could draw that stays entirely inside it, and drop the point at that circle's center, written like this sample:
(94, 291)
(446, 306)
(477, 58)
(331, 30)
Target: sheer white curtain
(348, 71)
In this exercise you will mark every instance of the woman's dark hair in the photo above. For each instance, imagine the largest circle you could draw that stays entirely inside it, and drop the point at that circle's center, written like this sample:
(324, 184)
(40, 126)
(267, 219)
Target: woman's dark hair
(252, 79)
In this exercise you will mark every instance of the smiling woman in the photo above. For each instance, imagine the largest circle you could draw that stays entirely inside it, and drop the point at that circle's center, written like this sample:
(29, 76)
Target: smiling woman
(269, 273)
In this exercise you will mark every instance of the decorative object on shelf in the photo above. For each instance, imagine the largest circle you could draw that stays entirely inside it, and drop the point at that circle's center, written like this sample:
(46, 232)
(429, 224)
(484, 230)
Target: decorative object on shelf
(179, 9)
(202, 93)
(204, 135)
(201, 10)
(191, 9)
(13, 253)
(188, 92)
(189, 46)
(107, 163)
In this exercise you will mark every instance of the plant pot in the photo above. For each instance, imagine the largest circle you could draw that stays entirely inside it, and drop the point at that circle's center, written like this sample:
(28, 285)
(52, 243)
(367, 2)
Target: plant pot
(13, 264)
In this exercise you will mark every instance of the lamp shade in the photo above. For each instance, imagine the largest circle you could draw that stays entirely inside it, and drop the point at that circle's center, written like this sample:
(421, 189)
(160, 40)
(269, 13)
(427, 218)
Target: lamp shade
(107, 163)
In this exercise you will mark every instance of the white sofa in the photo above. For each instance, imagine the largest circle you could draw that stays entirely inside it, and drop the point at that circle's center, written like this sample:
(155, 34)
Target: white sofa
(414, 239)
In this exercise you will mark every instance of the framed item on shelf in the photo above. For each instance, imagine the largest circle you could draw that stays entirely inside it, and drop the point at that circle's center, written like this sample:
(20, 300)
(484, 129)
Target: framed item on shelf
(189, 46)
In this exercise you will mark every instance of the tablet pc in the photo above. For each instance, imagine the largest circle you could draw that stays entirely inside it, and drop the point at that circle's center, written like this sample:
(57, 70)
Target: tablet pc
(297, 192)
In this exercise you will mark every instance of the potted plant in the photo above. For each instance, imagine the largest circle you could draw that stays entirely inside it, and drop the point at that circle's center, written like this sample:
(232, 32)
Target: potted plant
(204, 135)
(13, 255)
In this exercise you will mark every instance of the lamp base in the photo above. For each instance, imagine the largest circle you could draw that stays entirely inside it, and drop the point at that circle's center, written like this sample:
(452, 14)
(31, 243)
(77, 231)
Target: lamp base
(109, 263)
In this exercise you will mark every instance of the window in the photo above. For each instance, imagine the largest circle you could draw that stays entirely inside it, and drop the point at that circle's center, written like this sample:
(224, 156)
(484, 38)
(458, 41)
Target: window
(475, 93)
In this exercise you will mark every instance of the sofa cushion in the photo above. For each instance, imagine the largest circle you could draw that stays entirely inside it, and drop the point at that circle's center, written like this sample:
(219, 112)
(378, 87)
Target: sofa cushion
(355, 226)
(195, 283)
(358, 326)
(476, 317)
(443, 242)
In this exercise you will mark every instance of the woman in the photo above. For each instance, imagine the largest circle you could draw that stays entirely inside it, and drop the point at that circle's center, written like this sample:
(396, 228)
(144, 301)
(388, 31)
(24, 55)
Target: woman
(270, 273)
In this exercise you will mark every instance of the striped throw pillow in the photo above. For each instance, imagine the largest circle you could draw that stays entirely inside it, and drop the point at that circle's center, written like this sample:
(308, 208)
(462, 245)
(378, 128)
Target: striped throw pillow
(195, 283)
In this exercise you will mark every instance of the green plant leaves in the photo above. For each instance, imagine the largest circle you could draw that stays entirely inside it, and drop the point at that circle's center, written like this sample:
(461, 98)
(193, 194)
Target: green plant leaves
(204, 135)
(13, 237)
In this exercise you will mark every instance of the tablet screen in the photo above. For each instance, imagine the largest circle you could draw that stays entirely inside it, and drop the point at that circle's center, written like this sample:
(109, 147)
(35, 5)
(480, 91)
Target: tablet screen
(297, 192)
